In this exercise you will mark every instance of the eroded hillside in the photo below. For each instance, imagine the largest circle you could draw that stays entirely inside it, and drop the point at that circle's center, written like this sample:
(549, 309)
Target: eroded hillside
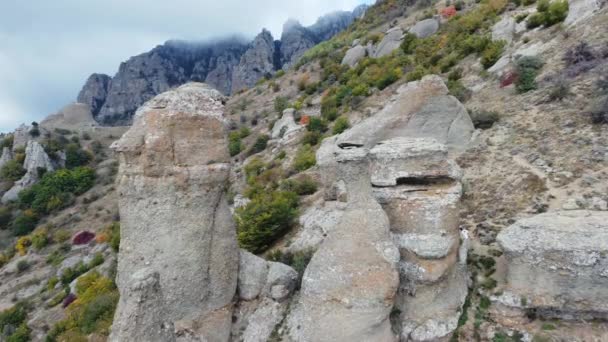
(441, 168)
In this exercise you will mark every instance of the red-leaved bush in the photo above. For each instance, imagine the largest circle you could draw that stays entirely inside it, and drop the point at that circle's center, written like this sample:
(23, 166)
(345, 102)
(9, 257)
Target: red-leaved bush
(68, 300)
(508, 78)
(83, 237)
(448, 12)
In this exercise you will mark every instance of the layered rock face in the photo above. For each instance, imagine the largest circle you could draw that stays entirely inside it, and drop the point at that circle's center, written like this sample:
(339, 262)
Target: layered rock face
(350, 285)
(419, 189)
(175, 218)
(410, 174)
(229, 65)
(557, 265)
(419, 109)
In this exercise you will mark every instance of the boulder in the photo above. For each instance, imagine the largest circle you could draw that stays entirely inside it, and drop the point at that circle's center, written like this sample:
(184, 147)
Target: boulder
(389, 43)
(258, 277)
(354, 55)
(253, 271)
(557, 264)
(504, 29)
(580, 10)
(425, 28)
(286, 126)
(175, 219)
(350, 284)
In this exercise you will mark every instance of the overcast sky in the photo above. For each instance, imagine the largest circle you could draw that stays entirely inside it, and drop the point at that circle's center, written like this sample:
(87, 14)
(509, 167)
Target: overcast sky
(49, 47)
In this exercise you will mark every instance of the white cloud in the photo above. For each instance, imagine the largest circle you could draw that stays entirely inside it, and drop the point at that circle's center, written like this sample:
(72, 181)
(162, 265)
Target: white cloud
(49, 48)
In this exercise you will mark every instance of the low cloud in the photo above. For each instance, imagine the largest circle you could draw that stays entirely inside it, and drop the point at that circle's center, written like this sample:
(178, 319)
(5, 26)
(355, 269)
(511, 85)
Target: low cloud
(50, 47)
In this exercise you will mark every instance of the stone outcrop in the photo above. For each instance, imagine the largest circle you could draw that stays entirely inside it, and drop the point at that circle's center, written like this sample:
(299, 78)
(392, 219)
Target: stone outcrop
(557, 265)
(95, 91)
(419, 109)
(389, 43)
(257, 62)
(425, 28)
(7, 155)
(504, 29)
(419, 189)
(36, 160)
(21, 136)
(350, 284)
(354, 55)
(286, 126)
(174, 214)
(579, 10)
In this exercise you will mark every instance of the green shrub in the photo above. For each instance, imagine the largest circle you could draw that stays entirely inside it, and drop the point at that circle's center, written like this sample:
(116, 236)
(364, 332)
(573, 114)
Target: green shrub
(265, 219)
(341, 125)
(317, 124)
(91, 312)
(40, 238)
(484, 119)
(235, 145)
(416, 74)
(259, 145)
(7, 142)
(458, 90)
(6, 216)
(115, 238)
(527, 68)
(12, 171)
(297, 260)
(302, 186)
(492, 53)
(14, 316)
(311, 138)
(22, 266)
(280, 104)
(305, 158)
(24, 223)
(408, 44)
(22, 334)
(75, 156)
(53, 192)
(548, 13)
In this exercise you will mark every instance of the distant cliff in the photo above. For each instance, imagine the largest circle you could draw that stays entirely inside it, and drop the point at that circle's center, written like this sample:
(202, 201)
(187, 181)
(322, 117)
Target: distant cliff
(229, 64)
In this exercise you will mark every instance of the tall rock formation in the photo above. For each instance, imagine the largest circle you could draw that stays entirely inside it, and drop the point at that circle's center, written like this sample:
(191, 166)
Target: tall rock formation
(257, 62)
(177, 229)
(349, 287)
(229, 65)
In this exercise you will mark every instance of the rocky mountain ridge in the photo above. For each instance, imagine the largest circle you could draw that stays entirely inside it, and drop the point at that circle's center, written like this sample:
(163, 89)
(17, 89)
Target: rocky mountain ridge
(230, 65)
